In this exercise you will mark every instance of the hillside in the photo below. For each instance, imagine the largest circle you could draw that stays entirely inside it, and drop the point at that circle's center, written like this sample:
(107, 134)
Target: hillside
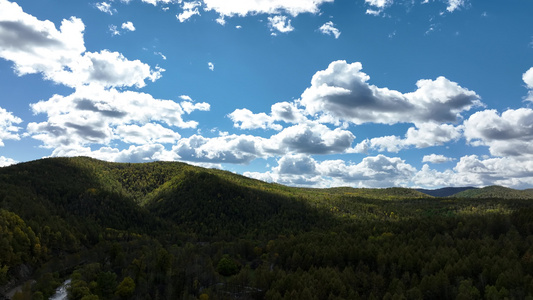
(168, 230)
(444, 192)
(499, 192)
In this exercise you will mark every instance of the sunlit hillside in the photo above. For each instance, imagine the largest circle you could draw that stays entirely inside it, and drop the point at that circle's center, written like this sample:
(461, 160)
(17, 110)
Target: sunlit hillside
(168, 230)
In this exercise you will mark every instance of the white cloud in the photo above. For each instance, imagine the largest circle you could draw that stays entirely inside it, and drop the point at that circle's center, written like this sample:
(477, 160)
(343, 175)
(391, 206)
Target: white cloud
(156, 2)
(422, 136)
(287, 112)
(329, 29)
(220, 20)
(383, 171)
(341, 93)
(245, 119)
(379, 3)
(113, 29)
(436, 158)
(189, 9)
(93, 115)
(36, 46)
(105, 7)
(149, 133)
(242, 149)
(281, 111)
(161, 54)
(378, 6)
(528, 79)
(211, 66)
(242, 8)
(128, 26)
(8, 128)
(310, 138)
(143, 153)
(508, 134)
(454, 5)
(5, 161)
(189, 106)
(236, 149)
(473, 171)
(376, 171)
(280, 23)
(431, 134)
(109, 69)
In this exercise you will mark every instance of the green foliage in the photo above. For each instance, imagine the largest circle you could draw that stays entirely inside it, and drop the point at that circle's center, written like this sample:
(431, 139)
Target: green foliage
(227, 266)
(497, 192)
(126, 288)
(172, 231)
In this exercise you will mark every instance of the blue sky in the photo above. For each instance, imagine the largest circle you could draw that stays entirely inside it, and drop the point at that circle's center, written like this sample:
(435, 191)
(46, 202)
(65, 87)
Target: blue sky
(362, 93)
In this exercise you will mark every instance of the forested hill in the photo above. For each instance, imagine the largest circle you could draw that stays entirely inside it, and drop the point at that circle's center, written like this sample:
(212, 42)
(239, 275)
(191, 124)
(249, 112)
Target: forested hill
(445, 192)
(168, 230)
(496, 192)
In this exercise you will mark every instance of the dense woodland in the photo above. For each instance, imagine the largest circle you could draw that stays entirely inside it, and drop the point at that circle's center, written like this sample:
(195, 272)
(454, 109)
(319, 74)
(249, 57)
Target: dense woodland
(167, 230)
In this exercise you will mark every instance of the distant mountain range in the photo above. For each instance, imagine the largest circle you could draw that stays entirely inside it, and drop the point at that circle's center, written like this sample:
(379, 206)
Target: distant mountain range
(445, 192)
(486, 192)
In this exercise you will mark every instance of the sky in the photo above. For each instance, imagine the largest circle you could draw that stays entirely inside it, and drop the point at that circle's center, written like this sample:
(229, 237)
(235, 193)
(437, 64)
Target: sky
(315, 93)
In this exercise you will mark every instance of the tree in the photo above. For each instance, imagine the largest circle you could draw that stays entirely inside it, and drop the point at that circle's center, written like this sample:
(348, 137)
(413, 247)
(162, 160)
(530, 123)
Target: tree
(227, 266)
(107, 281)
(126, 288)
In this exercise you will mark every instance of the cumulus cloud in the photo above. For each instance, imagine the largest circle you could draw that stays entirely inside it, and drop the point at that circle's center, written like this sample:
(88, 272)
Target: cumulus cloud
(190, 105)
(36, 46)
(329, 29)
(128, 26)
(310, 138)
(93, 115)
(341, 93)
(474, 171)
(287, 112)
(243, 8)
(436, 158)
(142, 153)
(108, 69)
(236, 149)
(382, 171)
(6, 161)
(189, 9)
(508, 134)
(245, 119)
(8, 128)
(422, 136)
(281, 111)
(150, 133)
(374, 171)
(280, 24)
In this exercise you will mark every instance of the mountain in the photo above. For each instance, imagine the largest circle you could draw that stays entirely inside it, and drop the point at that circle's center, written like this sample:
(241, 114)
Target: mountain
(494, 191)
(384, 194)
(169, 230)
(445, 192)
